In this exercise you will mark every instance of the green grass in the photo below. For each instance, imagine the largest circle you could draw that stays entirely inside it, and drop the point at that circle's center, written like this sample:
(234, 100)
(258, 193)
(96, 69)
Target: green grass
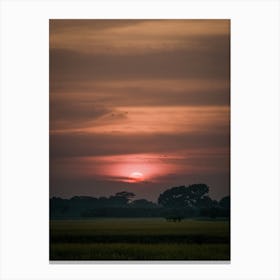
(139, 239)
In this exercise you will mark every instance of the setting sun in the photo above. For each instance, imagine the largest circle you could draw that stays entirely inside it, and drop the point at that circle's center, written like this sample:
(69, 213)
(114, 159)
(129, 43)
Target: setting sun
(136, 176)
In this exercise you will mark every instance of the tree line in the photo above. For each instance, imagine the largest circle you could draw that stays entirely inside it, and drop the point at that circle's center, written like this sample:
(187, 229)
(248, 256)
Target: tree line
(174, 204)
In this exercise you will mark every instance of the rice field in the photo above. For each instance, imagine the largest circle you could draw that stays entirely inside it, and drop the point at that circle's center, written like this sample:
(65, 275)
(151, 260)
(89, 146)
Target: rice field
(139, 239)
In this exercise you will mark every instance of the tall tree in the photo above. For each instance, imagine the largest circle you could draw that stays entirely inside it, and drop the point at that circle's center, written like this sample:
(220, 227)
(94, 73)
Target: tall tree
(183, 196)
(122, 198)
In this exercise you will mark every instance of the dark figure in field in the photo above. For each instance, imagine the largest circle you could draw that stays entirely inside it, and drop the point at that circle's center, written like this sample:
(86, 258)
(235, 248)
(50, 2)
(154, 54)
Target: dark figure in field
(174, 218)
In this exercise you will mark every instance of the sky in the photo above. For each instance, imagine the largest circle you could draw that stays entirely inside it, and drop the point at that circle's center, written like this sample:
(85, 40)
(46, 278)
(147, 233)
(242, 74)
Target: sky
(139, 105)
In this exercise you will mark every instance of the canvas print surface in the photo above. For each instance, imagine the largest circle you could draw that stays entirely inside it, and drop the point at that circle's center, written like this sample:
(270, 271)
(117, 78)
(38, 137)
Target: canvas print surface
(139, 140)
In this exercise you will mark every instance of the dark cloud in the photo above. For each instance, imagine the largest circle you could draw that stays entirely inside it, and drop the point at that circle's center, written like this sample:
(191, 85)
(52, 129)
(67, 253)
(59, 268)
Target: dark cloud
(66, 113)
(209, 61)
(127, 95)
(72, 25)
(86, 144)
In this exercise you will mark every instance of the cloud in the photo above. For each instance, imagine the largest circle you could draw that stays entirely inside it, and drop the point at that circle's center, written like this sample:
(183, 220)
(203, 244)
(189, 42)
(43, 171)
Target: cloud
(89, 144)
(209, 61)
(147, 120)
(133, 36)
(146, 92)
(68, 114)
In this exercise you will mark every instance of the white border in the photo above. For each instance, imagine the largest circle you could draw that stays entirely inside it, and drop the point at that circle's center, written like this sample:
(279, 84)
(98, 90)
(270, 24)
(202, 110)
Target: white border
(254, 141)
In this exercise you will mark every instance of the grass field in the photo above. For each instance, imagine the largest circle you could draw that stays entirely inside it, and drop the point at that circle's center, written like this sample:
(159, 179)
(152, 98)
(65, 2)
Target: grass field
(139, 239)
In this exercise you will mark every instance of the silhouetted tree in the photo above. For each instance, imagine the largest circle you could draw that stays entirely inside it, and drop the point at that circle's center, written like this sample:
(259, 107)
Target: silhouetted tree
(174, 204)
(102, 201)
(174, 197)
(126, 194)
(225, 202)
(196, 192)
(183, 196)
(144, 203)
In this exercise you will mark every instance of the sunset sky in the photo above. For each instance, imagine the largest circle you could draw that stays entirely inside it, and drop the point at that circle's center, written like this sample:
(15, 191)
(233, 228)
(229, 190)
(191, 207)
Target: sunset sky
(139, 105)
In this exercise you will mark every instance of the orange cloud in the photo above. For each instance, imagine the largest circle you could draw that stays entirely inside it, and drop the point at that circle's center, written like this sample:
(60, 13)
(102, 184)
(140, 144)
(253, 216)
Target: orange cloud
(126, 36)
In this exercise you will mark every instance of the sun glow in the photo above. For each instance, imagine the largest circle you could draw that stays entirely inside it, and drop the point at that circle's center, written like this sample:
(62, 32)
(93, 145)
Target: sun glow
(136, 176)
(132, 168)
